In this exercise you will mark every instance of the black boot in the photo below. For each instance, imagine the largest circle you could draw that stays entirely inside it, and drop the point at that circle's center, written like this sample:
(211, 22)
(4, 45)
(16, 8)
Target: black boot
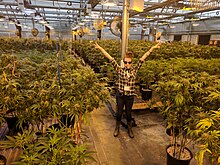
(116, 132)
(130, 132)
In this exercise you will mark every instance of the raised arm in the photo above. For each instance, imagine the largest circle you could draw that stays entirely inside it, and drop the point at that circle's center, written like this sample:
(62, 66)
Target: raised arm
(149, 51)
(103, 51)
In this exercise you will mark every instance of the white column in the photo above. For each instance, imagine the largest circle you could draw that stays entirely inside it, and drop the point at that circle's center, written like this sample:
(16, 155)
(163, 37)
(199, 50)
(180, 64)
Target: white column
(124, 38)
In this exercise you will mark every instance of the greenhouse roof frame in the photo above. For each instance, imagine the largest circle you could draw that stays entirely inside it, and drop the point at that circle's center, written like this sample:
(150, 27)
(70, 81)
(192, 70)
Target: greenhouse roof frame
(71, 13)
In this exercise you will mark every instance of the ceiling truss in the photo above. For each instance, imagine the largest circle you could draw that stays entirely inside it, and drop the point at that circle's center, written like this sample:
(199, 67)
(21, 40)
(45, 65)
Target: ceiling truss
(74, 11)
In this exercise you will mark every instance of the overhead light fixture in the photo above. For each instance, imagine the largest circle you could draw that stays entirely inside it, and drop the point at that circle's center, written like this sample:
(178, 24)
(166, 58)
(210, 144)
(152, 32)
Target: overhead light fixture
(88, 8)
(29, 11)
(43, 22)
(194, 19)
(86, 20)
(195, 24)
(149, 16)
(21, 4)
(91, 34)
(172, 27)
(81, 23)
(11, 22)
(95, 14)
(76, 27)
(134, 30)
(6, 26)
(137, 5)
(38, 17)
(18, 24)
(50, 27)
(109, 2)
(2, 18)
(188, 8)
(163, 23)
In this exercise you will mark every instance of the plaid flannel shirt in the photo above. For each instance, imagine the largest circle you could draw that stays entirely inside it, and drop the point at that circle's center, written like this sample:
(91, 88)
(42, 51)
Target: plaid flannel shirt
(127, 77)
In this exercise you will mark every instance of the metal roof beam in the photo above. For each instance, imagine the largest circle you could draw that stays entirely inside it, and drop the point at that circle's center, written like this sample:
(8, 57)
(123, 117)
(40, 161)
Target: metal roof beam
(186, 14)
(154, 7)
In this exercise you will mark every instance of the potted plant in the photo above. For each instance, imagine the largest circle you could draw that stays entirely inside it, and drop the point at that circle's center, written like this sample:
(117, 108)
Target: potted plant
(144, 84)
(10, 95)
(183, 95)
(206, 134)
(56, 147)
(176, 98)
(146, 94)
(3, 160)
(148, 75)
(205, 128)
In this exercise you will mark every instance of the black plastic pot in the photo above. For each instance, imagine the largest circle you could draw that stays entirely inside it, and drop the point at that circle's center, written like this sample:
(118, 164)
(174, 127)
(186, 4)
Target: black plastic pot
(143, 86)
(68, 120)
(152, 82)
(146, 94)
(3, 160)
(12, 122)
(174, 161)
(171, 131)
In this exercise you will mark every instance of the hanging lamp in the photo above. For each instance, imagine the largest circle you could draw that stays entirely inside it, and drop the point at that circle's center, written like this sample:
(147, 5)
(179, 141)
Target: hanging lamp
(137, 5)
(109, 2)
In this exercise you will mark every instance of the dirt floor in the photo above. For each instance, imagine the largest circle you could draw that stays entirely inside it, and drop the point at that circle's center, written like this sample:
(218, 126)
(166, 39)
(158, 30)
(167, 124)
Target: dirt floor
(146, 148)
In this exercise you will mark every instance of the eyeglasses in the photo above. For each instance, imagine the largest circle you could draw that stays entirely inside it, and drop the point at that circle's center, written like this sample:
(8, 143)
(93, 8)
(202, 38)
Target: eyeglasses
(126, 62)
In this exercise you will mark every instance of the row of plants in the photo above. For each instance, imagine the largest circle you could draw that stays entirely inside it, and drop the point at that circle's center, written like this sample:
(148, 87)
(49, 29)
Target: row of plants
(86, 49)
(14, 44)
(154, 70)
(35, 86)
(206, 134)
(94, 58)
(138, 47)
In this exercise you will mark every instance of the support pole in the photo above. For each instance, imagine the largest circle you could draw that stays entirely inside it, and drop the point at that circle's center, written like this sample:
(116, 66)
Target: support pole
(124, 38)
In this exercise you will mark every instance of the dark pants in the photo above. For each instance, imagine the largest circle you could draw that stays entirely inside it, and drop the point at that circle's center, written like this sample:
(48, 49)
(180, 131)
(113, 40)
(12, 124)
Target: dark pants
(127, 101)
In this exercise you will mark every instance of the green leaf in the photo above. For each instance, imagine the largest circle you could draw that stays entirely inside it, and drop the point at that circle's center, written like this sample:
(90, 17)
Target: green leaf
(179, 99)
(205, 123)
(200, 157)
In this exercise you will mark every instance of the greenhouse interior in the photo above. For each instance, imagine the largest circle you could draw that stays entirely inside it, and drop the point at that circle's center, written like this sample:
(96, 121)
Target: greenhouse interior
(110, 82)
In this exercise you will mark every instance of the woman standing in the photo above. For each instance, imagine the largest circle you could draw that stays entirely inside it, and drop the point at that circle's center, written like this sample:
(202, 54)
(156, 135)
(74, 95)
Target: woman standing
(126, 87)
